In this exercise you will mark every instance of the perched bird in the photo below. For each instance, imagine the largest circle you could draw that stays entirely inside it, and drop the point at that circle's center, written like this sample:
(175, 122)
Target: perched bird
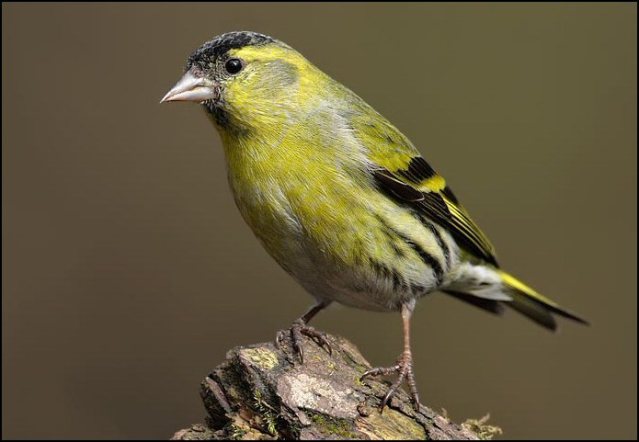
(339, 197)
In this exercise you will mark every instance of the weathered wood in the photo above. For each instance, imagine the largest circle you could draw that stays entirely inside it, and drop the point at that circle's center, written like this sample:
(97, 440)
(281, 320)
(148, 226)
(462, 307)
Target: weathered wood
(263, 392)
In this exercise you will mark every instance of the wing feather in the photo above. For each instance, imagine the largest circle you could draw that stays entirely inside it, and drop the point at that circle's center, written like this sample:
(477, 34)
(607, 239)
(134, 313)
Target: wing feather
(399, 170)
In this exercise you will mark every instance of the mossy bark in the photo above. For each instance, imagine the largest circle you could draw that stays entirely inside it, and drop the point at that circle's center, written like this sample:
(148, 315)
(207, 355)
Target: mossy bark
(263, 392)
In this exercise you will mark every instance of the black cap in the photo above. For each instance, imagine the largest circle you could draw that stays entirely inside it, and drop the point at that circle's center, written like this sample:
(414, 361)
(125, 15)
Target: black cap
(221, 44)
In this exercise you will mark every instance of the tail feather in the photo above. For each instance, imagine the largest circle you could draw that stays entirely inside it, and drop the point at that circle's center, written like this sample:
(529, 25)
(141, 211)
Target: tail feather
(491, 289)
(488, 305)
(534, 305)
(532, 310)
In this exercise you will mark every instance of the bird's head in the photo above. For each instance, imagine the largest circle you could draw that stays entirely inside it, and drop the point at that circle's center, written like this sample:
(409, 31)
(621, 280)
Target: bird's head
(247, 80)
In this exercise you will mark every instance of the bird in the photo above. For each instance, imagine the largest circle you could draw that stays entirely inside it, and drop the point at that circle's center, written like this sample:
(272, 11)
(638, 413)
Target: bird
(340, 198)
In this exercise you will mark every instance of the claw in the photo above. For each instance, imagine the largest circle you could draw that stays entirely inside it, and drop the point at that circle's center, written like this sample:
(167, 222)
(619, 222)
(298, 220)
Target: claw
(298, 329)
(404, 370)
(318, 337)
(380, 371)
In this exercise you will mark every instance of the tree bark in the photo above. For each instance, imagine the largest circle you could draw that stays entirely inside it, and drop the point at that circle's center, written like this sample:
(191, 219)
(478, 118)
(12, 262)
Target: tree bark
(264, 392)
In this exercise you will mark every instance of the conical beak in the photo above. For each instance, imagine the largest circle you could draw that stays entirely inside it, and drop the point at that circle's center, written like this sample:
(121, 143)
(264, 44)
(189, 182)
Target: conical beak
(190, 88)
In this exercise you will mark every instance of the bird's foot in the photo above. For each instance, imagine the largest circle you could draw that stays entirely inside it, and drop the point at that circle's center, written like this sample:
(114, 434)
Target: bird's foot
(300, 328)
(404, 371)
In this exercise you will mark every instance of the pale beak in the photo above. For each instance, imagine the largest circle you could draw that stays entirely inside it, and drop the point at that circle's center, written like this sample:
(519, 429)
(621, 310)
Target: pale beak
(191, 88)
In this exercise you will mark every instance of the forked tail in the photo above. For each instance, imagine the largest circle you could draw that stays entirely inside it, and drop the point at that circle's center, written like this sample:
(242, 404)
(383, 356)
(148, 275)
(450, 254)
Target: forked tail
(491, 289)
(535, 306)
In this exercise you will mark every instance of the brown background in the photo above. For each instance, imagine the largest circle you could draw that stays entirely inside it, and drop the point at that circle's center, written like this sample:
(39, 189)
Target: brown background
(128, 271)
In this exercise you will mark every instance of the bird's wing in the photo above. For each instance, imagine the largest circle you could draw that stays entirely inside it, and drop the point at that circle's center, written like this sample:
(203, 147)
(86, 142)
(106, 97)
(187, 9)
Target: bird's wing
(400, 172)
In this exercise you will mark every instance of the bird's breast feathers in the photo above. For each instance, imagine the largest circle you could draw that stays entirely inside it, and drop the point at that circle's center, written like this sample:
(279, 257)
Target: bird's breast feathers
(322, 217)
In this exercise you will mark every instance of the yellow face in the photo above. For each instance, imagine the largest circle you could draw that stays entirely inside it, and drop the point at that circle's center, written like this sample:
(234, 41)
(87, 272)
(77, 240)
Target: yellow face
(270, 86)
(250, 82)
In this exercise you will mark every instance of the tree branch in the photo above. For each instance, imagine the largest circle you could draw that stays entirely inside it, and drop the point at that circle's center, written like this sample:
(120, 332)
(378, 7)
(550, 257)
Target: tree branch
(263, 392)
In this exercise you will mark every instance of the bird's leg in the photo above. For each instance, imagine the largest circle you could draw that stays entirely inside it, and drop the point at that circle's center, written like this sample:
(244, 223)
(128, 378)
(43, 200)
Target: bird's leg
(404, 365)
(300, 327)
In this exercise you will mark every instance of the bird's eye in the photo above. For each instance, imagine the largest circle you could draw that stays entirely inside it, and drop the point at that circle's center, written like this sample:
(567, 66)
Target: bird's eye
(233, 66)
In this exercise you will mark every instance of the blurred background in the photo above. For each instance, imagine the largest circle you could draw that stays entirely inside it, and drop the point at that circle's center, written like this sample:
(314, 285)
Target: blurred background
(128, 272)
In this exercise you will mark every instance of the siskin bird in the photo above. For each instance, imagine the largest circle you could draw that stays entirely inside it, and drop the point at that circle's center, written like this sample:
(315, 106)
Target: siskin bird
(339, 197)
